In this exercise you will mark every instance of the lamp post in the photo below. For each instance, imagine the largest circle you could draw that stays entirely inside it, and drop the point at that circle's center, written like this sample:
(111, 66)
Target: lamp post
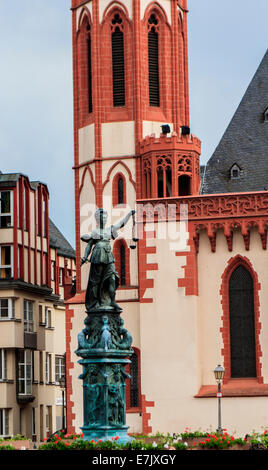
(219, 374)
(62, 386)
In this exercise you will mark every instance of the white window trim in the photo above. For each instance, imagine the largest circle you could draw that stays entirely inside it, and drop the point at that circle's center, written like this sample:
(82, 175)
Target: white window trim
(47, 317)
(61, 276)
(3, 360)
(48, 368)
(61, 367)
(6, 266)
(5, 421)
(27, 362)
(6, 214)
(11, 309)
(28, 322)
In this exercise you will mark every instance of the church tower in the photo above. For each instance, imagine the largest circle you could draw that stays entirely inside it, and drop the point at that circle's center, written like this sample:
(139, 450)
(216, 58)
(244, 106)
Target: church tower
(131, 105)
(133, 146)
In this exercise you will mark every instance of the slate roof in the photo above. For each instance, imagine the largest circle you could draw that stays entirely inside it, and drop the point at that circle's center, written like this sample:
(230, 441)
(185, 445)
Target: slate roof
(57, 240)
(244, 143)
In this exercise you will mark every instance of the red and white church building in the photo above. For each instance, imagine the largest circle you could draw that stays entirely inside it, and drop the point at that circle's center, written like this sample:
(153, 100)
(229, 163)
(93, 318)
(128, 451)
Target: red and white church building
(188, 308)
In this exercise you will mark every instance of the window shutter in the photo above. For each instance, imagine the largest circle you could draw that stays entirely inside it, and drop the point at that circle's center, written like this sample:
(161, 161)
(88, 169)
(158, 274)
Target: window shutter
(153, 68)
(118, 68)
(89, 74)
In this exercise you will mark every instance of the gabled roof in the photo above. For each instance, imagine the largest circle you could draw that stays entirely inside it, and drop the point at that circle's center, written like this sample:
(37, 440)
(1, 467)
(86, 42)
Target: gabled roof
(57, 240)
(244, 143)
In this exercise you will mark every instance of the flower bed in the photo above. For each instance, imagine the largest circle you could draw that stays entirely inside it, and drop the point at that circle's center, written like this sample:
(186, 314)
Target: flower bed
(187, 440)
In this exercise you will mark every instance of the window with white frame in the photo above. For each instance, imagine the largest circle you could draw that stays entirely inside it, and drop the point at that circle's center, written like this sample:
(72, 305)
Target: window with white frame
(235, 172)
(61, 276)
(48, 368)
(4, 422)
(25, 371)
(7, 309)
(3, 364)
(59, 368)
(6, 213)
(52, 270)
(6, 264)
(47, 317)
(28, 316)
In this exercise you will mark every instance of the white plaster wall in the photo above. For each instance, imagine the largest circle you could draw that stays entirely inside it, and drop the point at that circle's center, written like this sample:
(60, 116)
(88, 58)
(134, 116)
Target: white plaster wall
(165, 4)
(118, 139)
(154, 127)
(104, 3)
(168, 342)
(86, 143)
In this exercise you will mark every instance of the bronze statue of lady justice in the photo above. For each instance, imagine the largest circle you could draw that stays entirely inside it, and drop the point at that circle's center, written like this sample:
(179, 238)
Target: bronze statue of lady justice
(103, 279)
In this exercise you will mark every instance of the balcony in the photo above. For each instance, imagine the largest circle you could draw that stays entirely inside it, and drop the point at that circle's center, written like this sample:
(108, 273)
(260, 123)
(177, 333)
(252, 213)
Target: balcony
(30, 340)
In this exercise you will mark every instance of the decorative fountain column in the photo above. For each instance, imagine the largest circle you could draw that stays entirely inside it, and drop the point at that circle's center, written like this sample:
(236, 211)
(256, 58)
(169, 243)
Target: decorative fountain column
(104, 345)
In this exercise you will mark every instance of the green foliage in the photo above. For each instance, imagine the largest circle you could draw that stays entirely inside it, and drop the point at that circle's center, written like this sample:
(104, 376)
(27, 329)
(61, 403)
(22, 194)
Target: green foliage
(7, 447)
(259, 439)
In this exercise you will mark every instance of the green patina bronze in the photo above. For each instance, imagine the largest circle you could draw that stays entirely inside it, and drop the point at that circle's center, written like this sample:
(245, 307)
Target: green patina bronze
(104, 345)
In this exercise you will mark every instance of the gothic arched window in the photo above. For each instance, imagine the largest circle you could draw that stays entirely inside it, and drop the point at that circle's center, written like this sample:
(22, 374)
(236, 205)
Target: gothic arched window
(153, 60)
(90, 108)
(164, 177)
(118, 61)
(242, 324)
(120, 190)
(184, 185)
(134, 381)
(122, 265)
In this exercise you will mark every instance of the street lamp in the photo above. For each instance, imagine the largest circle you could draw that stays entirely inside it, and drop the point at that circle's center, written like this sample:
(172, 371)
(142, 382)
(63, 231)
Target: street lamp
(62, 386)
(219, 374)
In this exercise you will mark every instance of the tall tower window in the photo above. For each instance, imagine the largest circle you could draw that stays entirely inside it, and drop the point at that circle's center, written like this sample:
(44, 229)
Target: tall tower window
(90, 108)
(242, 324)
(134, 381)
(122, 265)
(164, 177)
(118, 61)
(120, 184)
(153, 61)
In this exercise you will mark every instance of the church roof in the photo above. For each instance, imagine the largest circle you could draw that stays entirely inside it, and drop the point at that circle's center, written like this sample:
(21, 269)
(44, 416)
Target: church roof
(240, 161)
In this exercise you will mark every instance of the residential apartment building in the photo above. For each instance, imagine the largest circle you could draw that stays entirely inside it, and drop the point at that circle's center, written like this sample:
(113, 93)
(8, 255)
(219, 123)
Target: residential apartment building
(37, 269)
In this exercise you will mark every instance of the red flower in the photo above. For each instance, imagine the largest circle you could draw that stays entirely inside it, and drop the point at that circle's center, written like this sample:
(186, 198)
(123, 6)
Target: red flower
(63, 431)
(82, 435)
(56, 442)
(116, 438)
(232, 438)
(66, 443)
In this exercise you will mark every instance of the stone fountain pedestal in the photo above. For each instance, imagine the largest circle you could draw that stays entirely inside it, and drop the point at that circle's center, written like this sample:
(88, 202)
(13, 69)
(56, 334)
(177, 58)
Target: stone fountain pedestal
(104, 346)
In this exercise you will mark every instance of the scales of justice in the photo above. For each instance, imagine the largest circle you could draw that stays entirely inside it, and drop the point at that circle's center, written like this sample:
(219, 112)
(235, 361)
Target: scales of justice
(104, 345)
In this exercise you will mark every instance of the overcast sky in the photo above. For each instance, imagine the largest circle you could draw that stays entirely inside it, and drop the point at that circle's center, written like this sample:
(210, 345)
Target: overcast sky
(227, 41)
